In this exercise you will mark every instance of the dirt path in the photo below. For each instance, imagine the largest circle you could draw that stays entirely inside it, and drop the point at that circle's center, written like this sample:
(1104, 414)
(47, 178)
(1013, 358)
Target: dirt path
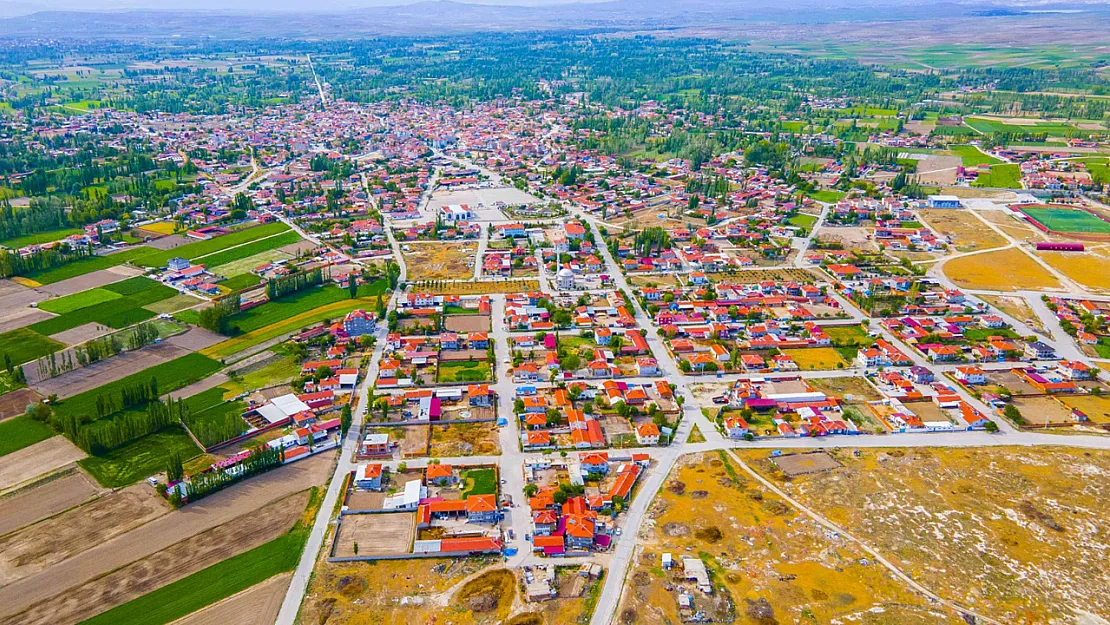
(29, 505)
(48, 544)
(163, 532)
(42, 457)
(169, 565)
(258, 604)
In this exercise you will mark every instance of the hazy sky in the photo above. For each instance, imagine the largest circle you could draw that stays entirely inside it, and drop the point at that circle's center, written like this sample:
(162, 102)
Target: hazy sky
(238, 5)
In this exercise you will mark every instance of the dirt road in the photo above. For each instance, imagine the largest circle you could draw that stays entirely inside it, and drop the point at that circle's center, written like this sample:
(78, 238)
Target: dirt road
(31, 504)
(169, 565)
(42, 457)
(162, 532)
(258, 604)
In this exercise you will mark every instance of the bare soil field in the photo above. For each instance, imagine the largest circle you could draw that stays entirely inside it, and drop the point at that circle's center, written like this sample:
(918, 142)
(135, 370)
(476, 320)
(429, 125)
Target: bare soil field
(967, 232)
(82, 333)
(195, 388)
(802, 464)
(169, 565)
(12, 319)
(1090, 270)
(375, 534)
(1017, 308)
(53, 541)
(12, 404)
(13, 296)
(258, 604)
(164, 531)
(464, 439)
(415, 442)
(440, 261)
(42, 457)
(105, 371)
(938, 170)
(196, 339)
(467, 323)
(852, 238)
(167, 242)
(300, 246)
(30, 504)
(90, 280)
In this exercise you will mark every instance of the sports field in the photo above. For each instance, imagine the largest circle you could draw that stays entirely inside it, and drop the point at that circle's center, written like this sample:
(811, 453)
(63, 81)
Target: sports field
(1067, 220)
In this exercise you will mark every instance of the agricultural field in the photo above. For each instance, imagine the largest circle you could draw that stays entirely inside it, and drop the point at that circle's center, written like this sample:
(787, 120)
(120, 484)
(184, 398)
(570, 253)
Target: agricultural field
(39, 238)
(1067, 220)
(1003, 270)
(768, 562)
(299, 303)
(24, 345)
(440, 261)
(971, 155)
(1014, 519)
(87, 265)
(20, 432)
(217, 262)
(161, 227)
(484, 287)
(123, 307)
(967, 231)
(198, 250)
(464, 371)
(140, 458)
(1085, 268)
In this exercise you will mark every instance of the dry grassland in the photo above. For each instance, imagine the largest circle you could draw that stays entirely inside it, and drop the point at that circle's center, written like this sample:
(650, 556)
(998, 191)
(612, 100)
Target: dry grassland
(440, 260)
(1087, 269)
(1004, 270)
(464, 439)
(1016, 307)
(967, 232)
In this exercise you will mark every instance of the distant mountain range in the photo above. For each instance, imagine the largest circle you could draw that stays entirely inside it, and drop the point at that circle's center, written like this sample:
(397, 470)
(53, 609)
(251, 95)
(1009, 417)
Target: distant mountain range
(286, 18)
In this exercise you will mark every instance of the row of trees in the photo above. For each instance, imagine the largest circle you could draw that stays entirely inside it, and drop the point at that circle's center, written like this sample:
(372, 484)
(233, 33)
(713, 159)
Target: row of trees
(277, 288)
(100, 437)
(12, 264)
(200, 486)
(217, 317)
(214, 429)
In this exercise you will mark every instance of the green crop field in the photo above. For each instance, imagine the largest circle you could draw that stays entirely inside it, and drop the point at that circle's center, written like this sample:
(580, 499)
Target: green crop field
(301, 302)
(140, 458)
(76, 301)
(39, 238)
(125, 309)
(241, 281)
(970, 155)
(1067, 220)
(87, 265)
(213, 261)
(171, 375)
(24, 345)
(20, 432)
(1001, 177)
(207, 586)
(464, 371)
(195, 251)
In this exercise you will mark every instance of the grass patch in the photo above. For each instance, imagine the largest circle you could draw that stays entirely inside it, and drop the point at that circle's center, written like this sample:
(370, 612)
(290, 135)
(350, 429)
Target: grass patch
(39, 238)
(480, 482)
(828, 196)
(803, 220)
(140, 458)
(173, 304)
(241, 281)
(970, 155)
(24, 345)
(816, 358)
(77, 301)
(1000, 176)
(171, 375)
(87, 265)
(123, 310)
(193, 251)
(250, 249)
(464, 371)
(20, 432)
(219, 581)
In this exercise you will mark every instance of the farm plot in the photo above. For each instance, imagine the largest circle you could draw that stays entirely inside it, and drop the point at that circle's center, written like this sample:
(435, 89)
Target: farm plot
(1004, 270)
(24, 345)
(440, 261)
(50, 497)
(299, 303)
(375, 534)
(258, 604)
(13, 403)
(140, 458)
(70, 303)
(194, 251)
(30, 461)
(171, 564)
(117, 312)
(816, 358)
(467, 323)
(464, 371)
(88, 281)
(108, 370)
(218, 261)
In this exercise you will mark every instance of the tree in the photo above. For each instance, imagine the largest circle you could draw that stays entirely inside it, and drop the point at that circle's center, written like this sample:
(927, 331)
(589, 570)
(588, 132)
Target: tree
(530, 490)
(352, 286)
(174, 468)
(322, 372)
(991, 427)
(345, 419)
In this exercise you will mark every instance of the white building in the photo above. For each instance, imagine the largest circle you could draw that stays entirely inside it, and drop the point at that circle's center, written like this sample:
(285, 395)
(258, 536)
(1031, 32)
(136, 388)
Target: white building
(564, 280)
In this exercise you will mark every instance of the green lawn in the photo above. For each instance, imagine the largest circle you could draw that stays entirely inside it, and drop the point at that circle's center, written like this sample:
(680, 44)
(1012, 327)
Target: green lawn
(972, 156)
(87, 265)
(24, 345)
(803, 220)
(982, 334)
(213, 420)
(76, 301)
(464, 371)
(301, 302)
(126, 308)
(20, 432)
(209, 585)
(827, 196)
(39, 237)
(171, 375)
(193, 251)
(140, 458)
(1067, 220)
(1000, 176)
(480, 482)
(848, 340)
(241, 281)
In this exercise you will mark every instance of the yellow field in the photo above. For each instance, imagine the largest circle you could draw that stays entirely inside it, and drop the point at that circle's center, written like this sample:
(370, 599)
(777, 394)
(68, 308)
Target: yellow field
(161, 227)
(1014, 520)
(1004, 270)
(1097, 408)
(765, 557)
(476, 288)
(816, 358)
(27, 282)
(1087, 269)
(967, 232)
(1016, 307)
(261, 335)
(440, 261)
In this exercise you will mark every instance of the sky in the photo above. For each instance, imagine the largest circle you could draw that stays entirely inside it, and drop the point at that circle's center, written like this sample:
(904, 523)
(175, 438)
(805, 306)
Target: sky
(25, 6)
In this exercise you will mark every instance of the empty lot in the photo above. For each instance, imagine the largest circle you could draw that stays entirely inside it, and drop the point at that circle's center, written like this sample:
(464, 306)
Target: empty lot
(375, 534)
(31, 504)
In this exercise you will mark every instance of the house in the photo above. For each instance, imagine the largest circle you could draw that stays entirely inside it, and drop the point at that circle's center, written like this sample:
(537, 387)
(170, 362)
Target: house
(477, 340)
(479, 395)
(647, 366)
(921, 375)
(1038, 350)
(594, 463)
(375, 445)
(440, 474)
(736, 427)
(177, 264)
(647, 434)
(359, 322)
(481, 509)
(1075, 370)
(970, 375)
(370, 477)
